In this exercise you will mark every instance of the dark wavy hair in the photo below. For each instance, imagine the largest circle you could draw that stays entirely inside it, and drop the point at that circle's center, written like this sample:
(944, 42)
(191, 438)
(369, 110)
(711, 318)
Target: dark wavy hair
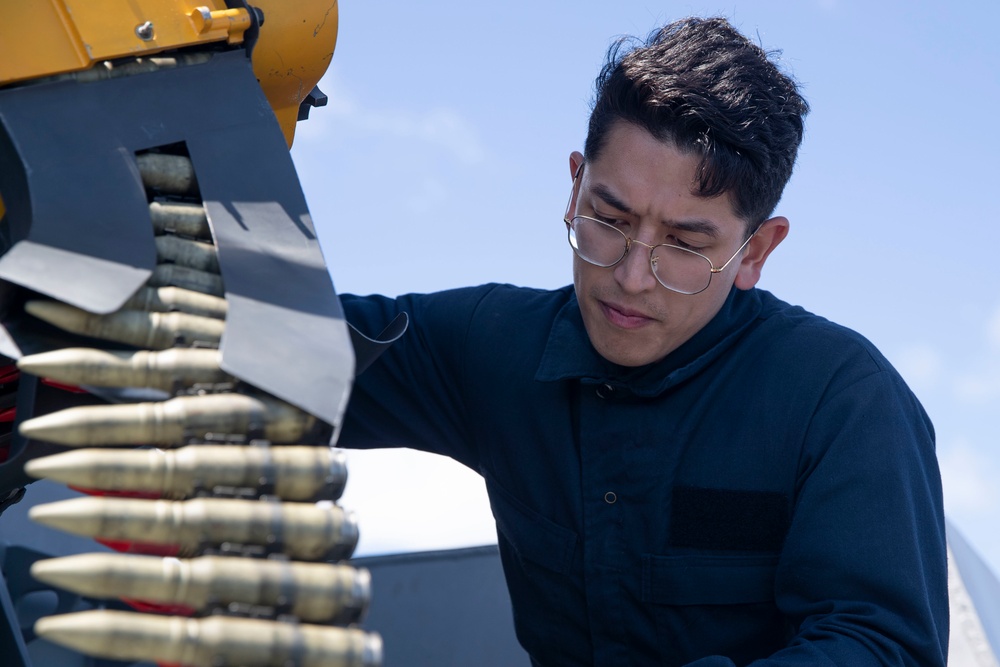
(701, 85)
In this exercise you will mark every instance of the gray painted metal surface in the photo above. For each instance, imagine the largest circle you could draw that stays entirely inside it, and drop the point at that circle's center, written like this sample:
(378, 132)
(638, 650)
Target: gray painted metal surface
(974, 596)
(443, 608)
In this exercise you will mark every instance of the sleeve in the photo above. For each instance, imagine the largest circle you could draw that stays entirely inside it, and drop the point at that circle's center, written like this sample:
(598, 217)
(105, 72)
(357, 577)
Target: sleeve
(863, 571)
(862, 575)
(412, 395)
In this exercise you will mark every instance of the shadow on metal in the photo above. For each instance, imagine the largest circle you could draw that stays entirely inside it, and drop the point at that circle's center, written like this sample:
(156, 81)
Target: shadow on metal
(443, 608)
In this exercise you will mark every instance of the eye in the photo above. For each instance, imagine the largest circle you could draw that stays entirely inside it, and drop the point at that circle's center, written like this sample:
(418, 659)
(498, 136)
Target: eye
(613, 221)
(681, 243)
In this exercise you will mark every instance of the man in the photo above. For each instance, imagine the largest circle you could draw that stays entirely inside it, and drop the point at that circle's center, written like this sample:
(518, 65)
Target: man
(683, 469)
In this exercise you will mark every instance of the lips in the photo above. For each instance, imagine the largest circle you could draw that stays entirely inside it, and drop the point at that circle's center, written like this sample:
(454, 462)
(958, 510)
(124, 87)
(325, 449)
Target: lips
(624, 317)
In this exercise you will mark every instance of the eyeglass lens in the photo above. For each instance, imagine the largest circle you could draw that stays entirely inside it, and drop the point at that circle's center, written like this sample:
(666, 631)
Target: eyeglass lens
(675, 268)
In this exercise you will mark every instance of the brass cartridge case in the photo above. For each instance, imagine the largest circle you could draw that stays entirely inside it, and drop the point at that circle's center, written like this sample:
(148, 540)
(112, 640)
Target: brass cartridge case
(157, 331)
(314, 592)
(306, 531)
(167, 299)
(185, 219)
(212, 641)
(292, 473)
(175, 275)
(172, 422)
(170, 174)
(187, 252)
(165, 370)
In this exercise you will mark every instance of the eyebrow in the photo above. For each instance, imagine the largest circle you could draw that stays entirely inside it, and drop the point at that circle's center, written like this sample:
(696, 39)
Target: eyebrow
(611, 199)
(697, 226)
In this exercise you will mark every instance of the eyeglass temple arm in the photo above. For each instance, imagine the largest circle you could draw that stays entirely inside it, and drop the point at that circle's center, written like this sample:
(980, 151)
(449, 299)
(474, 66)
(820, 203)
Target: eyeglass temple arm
(736, 254)
(572, 192)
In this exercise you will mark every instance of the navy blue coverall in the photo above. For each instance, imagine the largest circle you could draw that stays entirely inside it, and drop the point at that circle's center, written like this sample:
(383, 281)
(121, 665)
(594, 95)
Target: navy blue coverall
(768, 492)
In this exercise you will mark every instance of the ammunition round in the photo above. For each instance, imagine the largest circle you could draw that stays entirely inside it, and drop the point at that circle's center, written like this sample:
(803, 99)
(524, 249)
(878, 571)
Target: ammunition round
(168, 369)
(170, 174)
(172, 422)
(185, 219)
(166, 299)
(186, 252)
(307, 531)
(212, 641)
(175, 275)
(148, 330)
(316, 592)
(300, 473)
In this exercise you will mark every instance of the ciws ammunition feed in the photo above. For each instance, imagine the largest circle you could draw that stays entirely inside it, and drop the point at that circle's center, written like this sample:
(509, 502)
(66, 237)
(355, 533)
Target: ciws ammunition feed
(238, 487)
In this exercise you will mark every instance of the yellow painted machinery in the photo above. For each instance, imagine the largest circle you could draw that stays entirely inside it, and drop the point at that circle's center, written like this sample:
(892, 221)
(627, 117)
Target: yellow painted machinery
(289, 56)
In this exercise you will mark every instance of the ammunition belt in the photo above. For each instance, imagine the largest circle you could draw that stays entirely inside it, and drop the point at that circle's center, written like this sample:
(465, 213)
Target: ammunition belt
(238, 488)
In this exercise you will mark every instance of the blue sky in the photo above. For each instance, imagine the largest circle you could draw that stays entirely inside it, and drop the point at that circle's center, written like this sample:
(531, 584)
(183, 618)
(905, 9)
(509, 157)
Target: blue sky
(441, 161)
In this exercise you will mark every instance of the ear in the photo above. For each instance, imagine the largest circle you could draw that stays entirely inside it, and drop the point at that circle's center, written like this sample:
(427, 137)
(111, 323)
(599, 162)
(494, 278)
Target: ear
(575, 162)
(771, 233)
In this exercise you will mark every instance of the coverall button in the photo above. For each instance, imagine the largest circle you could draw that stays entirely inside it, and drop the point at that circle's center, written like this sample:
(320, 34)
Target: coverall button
(605, 391)
(610, 498)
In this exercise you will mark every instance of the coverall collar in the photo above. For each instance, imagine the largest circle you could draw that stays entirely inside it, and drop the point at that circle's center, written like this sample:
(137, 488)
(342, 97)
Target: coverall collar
(569, 355)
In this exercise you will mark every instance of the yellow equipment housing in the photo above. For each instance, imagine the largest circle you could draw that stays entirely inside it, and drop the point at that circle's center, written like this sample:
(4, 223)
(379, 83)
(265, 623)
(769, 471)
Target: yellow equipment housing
(89, 89)
(291, 53)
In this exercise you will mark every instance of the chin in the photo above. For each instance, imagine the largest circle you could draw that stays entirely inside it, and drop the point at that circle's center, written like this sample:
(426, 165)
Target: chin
(631, 356)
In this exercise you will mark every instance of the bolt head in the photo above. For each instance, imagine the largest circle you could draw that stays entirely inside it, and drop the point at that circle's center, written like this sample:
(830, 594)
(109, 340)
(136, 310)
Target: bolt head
(144, 31)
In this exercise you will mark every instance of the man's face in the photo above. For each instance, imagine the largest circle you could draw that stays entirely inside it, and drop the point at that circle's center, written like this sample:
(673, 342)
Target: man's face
(644, 187)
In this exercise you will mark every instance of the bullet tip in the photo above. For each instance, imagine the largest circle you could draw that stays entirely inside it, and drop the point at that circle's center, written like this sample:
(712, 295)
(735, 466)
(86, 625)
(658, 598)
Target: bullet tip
(77, 515)
(50, 311)
(59, 572)
(48, 428)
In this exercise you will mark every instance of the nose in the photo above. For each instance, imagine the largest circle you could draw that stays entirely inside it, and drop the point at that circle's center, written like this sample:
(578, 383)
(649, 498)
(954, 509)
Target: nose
(634, 273)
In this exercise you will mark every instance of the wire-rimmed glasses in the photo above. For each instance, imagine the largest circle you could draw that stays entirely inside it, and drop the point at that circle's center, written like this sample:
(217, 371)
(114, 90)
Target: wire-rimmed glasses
(678, 269)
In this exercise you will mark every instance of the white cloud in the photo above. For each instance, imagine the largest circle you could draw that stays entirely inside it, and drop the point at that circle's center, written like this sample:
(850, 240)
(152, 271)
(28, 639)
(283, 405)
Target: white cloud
(426, 196)
(982, 386)
(981, 383)
(442, 128)
(993, 330)
(969, 478)
(920, 365)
